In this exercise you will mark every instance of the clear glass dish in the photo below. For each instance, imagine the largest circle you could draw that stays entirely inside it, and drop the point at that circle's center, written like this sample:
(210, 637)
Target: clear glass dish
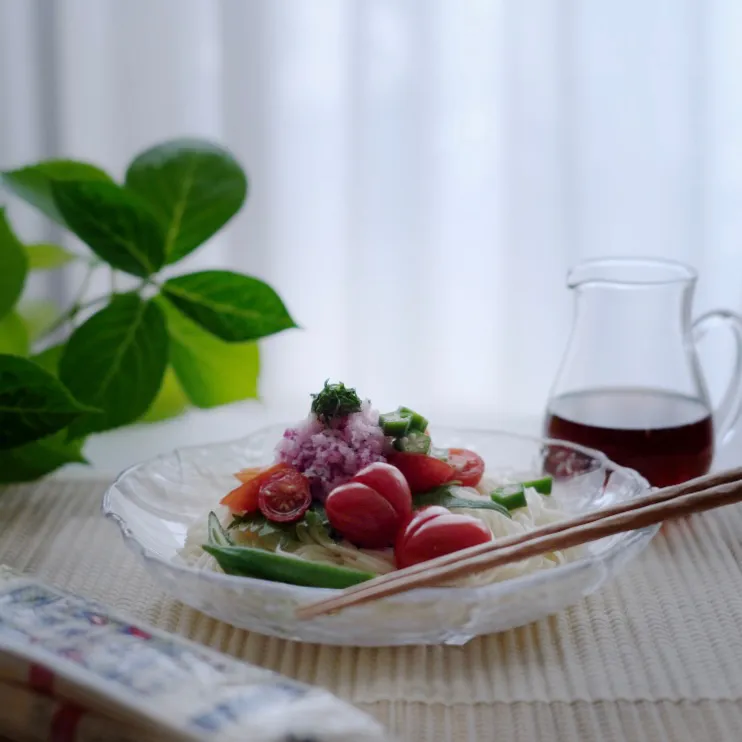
(155, 502)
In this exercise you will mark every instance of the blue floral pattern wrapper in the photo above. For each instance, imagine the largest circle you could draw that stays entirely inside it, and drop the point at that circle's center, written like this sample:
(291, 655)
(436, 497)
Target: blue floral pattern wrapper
(74, 666)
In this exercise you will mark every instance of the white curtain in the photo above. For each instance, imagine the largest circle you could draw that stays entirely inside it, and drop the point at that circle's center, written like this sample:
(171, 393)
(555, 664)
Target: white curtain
(422, 172)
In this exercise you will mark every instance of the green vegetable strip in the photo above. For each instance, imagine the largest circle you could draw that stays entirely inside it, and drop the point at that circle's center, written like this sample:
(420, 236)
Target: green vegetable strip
(394, 424)
(417, 421)
(445, 497)
(413, 443)
(265, 565)
(511, 497)
(217, 535)
(542, 486)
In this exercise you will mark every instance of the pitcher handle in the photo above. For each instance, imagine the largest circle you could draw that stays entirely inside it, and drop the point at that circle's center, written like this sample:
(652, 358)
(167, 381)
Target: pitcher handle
(728, 412)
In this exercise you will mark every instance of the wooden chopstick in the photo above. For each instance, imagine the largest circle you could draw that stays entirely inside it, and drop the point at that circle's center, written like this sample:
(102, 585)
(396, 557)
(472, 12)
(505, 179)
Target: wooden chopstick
(703, 493)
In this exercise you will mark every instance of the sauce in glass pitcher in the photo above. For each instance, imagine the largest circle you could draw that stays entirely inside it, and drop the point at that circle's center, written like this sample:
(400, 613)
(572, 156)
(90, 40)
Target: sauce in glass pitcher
(667, 437)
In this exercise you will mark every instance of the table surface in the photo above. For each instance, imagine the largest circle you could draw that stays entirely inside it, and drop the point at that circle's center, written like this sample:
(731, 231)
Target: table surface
(655, 655)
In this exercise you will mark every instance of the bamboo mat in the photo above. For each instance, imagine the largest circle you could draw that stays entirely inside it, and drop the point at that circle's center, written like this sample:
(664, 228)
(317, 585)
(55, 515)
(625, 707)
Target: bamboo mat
(656, 655)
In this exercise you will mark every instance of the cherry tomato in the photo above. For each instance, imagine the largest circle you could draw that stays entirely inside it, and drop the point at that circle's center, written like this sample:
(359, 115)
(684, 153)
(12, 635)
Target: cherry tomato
(362, 515)
(429, 535)
(390, 483)
(244, 499)
(468, 466)
(284, 496)
(371, 508)
(421, 471)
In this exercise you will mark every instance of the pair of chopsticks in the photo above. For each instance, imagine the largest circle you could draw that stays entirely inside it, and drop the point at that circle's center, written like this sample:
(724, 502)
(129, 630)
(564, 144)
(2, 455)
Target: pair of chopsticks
(704, 493)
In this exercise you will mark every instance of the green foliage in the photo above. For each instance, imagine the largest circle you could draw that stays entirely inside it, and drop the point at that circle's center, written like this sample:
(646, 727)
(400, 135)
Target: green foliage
(135, 357)
(114, 224)
(194, 188)
(211, 371)
(33, 184)
(46, 257)
(13, 334)
(33, 404)
(231, 306)
(115, 361)
(14, 266)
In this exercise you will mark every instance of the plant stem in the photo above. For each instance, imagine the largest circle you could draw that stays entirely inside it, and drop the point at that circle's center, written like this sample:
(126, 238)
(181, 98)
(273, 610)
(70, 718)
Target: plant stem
(75, 306)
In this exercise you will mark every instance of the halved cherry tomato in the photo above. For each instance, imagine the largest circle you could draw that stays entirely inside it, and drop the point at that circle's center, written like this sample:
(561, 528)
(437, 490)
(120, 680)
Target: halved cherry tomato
(362, 515)
(468, 466)
(432, 534)
(284, 496)
(421, 471)
(371, 508)
(244, 499)
(390, 483)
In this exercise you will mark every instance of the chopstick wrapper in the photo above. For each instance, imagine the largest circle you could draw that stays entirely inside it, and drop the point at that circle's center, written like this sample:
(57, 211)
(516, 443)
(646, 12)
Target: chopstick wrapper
(72, 670)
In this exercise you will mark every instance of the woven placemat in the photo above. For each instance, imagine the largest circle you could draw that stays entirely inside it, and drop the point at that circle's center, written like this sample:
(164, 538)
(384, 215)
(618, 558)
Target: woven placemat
(655, 655)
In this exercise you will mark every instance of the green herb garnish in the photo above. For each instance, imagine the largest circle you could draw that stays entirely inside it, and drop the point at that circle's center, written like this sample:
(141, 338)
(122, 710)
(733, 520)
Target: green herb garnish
(447, 497)
(335, 402)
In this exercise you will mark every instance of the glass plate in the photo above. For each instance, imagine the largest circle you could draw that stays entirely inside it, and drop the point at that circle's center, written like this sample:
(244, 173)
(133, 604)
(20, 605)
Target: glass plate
(154, 503)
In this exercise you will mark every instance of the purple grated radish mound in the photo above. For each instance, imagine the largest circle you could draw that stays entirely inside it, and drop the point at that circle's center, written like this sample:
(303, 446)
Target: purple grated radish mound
(330, 456)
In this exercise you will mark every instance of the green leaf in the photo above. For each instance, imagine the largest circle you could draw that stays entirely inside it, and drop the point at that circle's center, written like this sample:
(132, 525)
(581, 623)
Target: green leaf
(257, 530)
(211, 371)
(14, 266)
(13, 335)
(38, 315)
(116, 225)
(447, 496)
(170, 401)
(43, 256)
(116, 361)
(34, 460)
(33, 183)
(229, 305)
(195, 187)
(49, 359)
(33, 404)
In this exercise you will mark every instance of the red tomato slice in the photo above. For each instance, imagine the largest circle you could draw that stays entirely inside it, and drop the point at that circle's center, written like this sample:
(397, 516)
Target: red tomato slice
(284, 496)
(421, 471)
(427, 537)
(362, 515)
(421, 516)
(390, 483)
(247, 475)
(468, 466)
(244, 499)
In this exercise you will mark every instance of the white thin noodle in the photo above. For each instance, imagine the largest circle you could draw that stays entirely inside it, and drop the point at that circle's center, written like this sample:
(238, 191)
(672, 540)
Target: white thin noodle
(316, 546)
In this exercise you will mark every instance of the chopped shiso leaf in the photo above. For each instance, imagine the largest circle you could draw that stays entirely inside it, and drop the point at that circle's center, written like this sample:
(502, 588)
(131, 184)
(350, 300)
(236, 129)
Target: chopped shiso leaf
(334, 402)
(257, 530)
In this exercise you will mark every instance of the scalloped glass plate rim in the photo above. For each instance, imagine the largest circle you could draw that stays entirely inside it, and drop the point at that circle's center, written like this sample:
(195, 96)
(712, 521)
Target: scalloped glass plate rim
(629, 544)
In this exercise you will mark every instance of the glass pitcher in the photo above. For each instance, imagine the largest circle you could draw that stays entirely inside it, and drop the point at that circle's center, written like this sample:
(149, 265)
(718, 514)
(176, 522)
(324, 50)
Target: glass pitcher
(630, 383)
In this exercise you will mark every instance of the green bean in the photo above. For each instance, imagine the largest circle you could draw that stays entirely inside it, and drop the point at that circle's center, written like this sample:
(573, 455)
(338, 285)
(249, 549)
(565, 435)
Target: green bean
(265, 565)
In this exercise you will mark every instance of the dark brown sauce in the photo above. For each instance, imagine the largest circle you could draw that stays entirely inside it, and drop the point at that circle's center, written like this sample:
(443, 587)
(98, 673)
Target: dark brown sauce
(666, 437)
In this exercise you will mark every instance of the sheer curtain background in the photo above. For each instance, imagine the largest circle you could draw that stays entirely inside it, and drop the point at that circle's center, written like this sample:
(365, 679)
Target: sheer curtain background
(423, 173)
